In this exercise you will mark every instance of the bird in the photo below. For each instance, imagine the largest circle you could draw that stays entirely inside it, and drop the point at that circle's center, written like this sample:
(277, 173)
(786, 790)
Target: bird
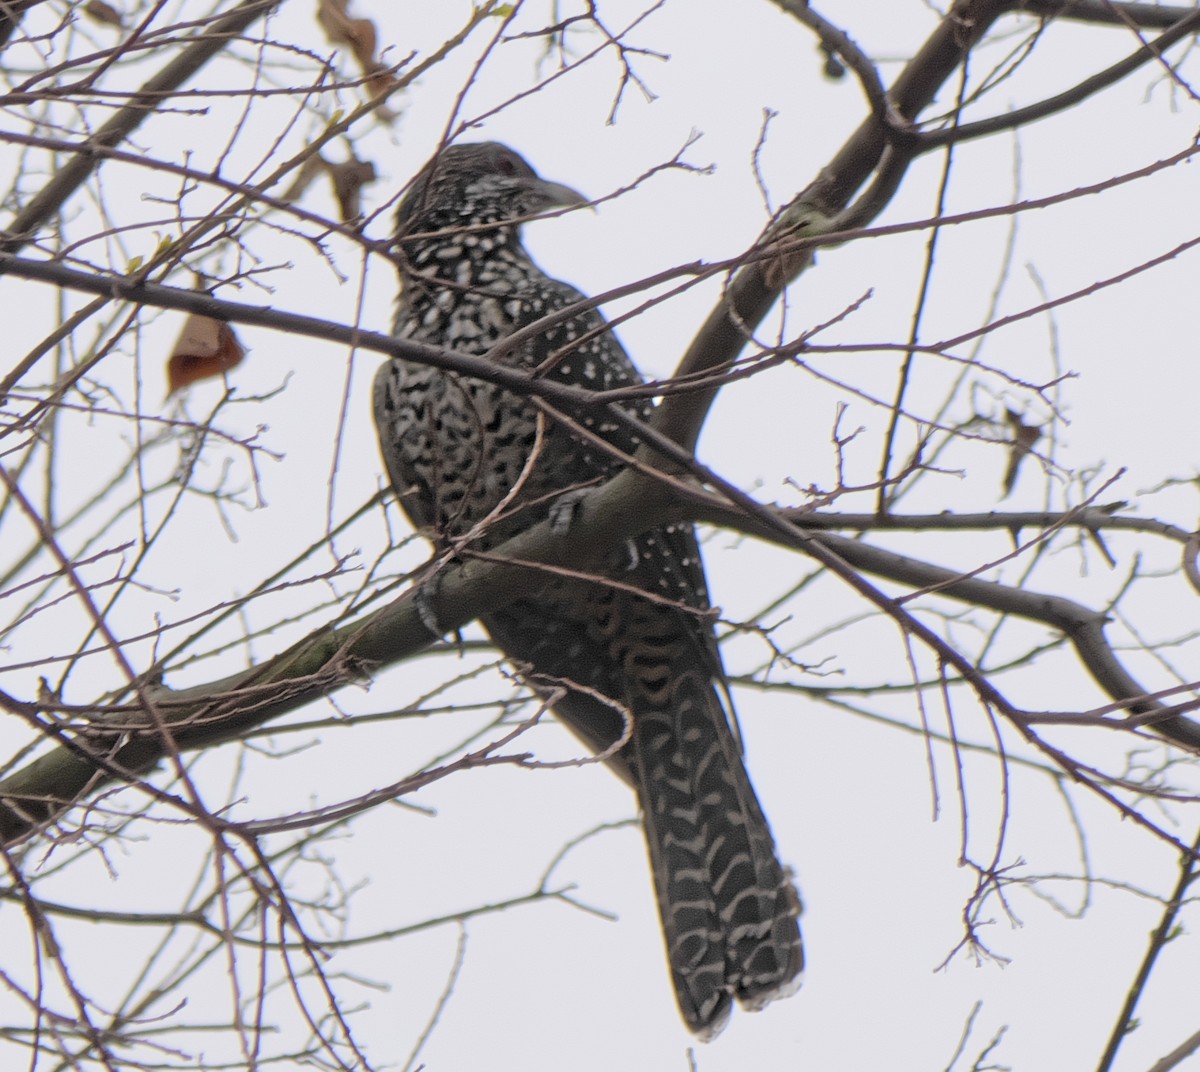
(473, 464)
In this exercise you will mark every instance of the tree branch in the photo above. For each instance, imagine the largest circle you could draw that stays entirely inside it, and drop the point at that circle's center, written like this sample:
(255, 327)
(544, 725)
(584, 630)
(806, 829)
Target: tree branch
(1159, 938)
(1082, 626)
(206, 44)
(1149, 16)
(220, 711)
(755, 288)
(1186, 26)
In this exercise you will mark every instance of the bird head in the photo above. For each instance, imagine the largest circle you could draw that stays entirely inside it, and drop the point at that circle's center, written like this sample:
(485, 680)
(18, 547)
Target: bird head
(478, 183)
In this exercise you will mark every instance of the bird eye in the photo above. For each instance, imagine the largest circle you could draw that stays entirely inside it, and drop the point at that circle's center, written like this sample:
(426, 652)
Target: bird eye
(506, 165)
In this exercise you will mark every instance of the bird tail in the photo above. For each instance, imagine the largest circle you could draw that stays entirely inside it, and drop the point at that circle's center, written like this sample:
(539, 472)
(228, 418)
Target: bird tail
(729, 910)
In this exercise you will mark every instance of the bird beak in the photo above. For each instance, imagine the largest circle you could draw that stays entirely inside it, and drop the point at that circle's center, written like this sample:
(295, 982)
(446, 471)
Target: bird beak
(547, 195)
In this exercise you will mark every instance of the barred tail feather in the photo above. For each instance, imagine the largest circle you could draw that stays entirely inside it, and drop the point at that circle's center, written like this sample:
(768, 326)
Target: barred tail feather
(729, 910)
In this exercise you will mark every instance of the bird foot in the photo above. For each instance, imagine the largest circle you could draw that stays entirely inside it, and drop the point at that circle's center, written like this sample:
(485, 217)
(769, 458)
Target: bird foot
(564, 510)
(423, 601)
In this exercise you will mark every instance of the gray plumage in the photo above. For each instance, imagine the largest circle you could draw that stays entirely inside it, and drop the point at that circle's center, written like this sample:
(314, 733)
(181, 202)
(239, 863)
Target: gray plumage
(455, 447)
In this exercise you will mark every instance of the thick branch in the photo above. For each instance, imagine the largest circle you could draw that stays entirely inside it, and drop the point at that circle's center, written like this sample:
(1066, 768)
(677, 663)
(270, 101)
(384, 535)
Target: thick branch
(161, 296)
(1081, 625)
(1186, 26)
(754, 290)
(880, 150)
(222, 710)
(1147, 16)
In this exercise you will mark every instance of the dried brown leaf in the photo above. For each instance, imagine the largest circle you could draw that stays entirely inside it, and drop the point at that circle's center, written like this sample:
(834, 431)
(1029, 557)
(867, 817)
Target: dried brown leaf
(1024, 437)
(357, 34)
(348, 180)
(105, 14)
(205, 348)
(361, 37)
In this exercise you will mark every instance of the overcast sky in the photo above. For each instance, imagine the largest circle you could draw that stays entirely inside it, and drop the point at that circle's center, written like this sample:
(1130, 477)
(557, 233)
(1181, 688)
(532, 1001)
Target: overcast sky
(873, 833)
